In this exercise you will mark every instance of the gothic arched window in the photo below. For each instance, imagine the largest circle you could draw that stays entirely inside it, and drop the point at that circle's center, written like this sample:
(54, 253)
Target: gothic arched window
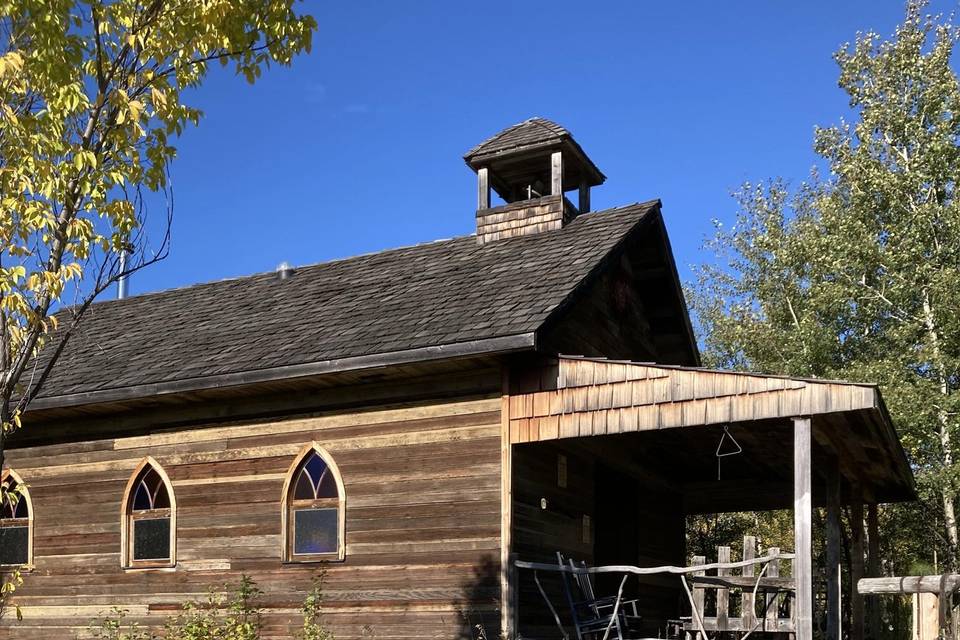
(149, 518)
(313, 508)
(16, 521)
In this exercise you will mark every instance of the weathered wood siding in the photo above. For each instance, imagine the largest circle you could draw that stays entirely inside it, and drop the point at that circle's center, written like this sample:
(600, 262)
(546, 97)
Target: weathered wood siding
(422, 490)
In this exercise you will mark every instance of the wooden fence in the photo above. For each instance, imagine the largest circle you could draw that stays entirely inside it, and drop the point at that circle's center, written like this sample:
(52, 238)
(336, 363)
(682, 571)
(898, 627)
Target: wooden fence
(765, 595)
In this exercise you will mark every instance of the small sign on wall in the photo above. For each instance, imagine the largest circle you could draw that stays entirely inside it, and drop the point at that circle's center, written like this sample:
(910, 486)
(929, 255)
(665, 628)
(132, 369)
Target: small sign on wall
(561, 471)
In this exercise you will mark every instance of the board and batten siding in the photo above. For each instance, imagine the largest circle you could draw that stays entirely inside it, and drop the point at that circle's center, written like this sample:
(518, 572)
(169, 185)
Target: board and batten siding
(422, 487)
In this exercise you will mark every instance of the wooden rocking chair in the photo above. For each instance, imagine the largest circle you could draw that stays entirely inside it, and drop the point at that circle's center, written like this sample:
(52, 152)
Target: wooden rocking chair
(592, 616)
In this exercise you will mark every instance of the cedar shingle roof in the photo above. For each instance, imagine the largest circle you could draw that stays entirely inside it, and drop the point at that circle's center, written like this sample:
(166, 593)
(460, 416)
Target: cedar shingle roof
(441, 293)
(535, 131)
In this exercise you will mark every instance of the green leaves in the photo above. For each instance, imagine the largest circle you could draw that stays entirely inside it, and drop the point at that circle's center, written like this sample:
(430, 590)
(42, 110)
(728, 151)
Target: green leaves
(854, 276)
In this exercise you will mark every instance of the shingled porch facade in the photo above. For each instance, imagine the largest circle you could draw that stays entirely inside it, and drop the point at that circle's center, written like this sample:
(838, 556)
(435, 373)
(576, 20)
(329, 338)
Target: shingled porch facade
(431, 380)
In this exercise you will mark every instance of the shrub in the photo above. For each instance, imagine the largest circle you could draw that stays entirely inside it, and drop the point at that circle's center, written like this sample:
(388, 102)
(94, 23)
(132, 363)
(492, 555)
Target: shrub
(242, 619)
(219, 618)
(112, 627)
(312, 610)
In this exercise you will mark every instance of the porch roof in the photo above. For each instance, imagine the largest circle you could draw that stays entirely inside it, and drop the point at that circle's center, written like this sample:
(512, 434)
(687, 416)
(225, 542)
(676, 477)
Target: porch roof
(681, 413)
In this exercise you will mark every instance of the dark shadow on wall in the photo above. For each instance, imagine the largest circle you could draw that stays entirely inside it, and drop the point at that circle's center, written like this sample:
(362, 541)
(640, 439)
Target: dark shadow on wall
(479, 606)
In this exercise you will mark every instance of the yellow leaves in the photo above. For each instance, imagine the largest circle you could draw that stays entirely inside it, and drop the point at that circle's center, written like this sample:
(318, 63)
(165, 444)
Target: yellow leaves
(85, 159)
(84, 123)
(11, 64)
(158, 97)
(136, 109)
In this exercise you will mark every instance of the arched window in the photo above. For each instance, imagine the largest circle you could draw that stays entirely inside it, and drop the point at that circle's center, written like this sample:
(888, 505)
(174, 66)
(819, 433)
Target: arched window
(313, 508)
(149, 535)
(16, 521)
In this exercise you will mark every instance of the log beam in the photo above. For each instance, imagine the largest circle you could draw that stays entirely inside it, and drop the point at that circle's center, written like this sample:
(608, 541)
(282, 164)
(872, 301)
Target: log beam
(906, 585)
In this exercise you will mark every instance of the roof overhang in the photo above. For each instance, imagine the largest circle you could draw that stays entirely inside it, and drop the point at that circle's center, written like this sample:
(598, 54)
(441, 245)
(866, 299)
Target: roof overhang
(491, 346)
(676, 416)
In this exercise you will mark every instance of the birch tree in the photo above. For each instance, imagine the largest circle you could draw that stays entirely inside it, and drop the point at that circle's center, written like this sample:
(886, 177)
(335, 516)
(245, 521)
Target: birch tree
(855, 273)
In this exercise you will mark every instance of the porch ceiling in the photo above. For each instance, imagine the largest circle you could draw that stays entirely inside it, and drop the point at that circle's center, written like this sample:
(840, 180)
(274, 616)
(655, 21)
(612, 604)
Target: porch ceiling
(666, 422)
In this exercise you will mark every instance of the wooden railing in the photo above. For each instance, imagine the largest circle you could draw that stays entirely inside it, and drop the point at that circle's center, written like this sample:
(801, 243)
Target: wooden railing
(759, 581)
(766, 597)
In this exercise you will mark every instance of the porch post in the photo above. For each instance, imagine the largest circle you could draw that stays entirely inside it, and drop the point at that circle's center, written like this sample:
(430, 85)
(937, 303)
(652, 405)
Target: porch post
(873, 569)
(834, 608)
(856, 566)
(802, 515)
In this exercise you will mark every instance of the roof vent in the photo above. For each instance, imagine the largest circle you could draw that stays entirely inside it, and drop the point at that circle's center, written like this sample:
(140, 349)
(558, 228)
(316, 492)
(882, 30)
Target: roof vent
(284, 270)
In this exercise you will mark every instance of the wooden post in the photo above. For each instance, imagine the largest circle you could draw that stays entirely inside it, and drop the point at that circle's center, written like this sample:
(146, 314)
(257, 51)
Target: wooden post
(723, 595)
(926, 616)
(834, 609)
(873, 569)
(556, 173)
(483, 188)
(856, 567)
(773, 600)
(584, 204)
(748, 615)
(698, 594)
(802, 517)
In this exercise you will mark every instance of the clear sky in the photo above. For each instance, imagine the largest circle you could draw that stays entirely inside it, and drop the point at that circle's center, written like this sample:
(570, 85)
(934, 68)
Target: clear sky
(358, 147)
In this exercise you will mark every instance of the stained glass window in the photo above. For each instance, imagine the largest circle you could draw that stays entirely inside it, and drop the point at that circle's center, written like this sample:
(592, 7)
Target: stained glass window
(314, 519)
(14, 522)
(149, 520)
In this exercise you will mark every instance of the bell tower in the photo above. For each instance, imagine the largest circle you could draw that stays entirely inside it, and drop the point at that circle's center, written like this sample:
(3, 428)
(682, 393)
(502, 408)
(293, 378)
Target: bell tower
(531, 166)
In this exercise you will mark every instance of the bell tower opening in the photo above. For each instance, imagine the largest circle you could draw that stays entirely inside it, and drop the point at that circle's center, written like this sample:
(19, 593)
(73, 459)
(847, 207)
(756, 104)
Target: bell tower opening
(530, 165)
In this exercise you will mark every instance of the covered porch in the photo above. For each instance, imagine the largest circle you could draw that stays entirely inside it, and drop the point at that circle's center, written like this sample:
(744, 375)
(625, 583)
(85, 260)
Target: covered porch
(608, 459)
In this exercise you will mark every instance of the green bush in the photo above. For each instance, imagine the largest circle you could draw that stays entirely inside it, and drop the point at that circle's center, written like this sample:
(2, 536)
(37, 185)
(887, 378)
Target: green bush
(217, 619)
(113, 627)
(312, 610)
(238, 617)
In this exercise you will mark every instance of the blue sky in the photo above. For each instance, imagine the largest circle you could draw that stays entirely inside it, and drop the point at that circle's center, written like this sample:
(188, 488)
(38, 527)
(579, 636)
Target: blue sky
(358, 146)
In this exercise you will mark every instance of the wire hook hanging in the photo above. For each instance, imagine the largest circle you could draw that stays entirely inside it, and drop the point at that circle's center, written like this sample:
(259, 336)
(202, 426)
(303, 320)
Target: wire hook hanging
(720, 453)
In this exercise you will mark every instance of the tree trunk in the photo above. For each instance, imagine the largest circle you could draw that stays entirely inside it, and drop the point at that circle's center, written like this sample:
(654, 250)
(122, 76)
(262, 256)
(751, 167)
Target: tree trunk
(947, 492)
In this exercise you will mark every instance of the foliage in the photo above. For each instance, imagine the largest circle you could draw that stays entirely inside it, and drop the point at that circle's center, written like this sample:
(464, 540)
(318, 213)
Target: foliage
(237, 616)
(92, 96)
(12, 580)
(707, 532)
(312, 609)
(852, 275)
(112, 626)
(240, 618)
(9, 583)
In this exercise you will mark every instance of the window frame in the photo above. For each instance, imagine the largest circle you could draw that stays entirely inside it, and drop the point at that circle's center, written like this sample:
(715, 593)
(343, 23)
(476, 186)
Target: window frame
(129, 515)
(20, 522)
(289, 505)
